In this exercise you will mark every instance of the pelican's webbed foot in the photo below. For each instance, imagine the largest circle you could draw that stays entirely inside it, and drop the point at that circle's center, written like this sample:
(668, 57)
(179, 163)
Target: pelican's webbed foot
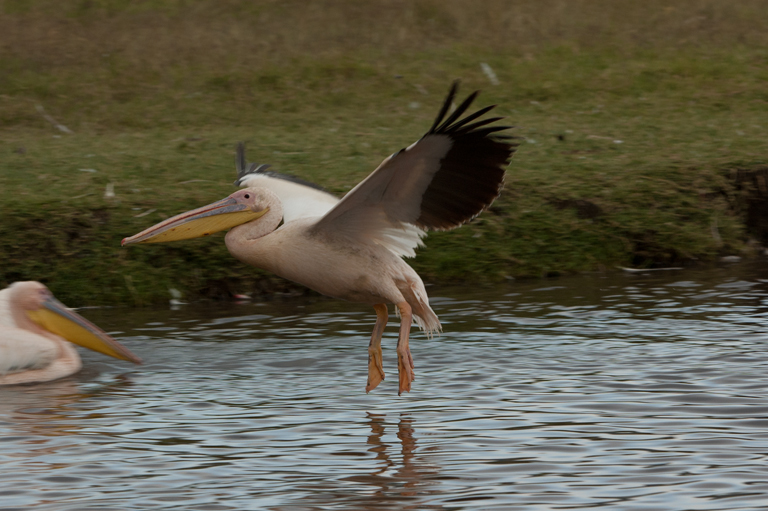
(404, 359)
(375, 368)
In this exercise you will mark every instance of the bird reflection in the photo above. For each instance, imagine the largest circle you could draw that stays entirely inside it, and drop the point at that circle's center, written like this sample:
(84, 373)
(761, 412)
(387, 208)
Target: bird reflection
(408, 470)
(413, 475)
(46, 409)
(376, 422)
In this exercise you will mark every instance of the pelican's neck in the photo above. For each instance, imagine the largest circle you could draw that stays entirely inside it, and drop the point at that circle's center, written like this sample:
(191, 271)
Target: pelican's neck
(20, 317)
(245, 240)
(6, 318)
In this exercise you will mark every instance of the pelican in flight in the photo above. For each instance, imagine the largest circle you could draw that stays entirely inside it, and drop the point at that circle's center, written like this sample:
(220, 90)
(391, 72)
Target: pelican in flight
(352, 248)
(34, 330)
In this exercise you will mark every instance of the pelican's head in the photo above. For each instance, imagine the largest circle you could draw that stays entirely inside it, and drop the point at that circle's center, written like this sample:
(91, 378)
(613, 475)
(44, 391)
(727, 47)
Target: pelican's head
(241, 207)
(39, 304)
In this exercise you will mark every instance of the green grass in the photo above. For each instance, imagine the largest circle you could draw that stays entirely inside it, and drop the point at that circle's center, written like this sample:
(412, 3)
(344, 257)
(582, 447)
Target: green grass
(639, 111)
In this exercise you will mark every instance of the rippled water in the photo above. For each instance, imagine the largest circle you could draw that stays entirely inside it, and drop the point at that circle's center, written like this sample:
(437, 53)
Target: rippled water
(627, 392)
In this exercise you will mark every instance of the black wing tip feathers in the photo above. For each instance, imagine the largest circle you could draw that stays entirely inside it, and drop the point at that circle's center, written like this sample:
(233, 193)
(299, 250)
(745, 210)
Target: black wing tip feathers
(240, 159)
(247, 169)
(454, 125)
(446, 105)
(471, 174)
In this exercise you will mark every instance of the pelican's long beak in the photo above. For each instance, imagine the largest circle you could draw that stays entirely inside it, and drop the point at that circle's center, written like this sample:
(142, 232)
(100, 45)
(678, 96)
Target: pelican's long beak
(55, 317)
(220, 215)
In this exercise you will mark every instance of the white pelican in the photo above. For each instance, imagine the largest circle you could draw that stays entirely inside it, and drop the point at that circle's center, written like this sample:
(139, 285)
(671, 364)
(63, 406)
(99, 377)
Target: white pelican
(34, 330)
(352, 248)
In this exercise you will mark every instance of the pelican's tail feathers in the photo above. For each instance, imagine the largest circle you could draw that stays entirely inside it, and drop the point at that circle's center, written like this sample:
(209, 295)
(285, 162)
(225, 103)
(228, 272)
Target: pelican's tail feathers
(416, 296)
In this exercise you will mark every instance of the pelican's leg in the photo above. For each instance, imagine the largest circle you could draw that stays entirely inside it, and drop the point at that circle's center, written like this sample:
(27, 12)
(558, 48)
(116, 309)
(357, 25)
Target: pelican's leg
(375, 369)
(404, 359)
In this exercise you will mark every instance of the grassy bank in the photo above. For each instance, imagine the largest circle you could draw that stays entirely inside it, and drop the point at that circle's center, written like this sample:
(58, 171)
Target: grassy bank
(633, 116)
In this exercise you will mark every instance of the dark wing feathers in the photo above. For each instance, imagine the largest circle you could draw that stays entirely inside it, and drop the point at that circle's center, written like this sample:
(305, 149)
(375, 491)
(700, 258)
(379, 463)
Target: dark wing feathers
(446, 105)
(240, 161)
(458, 112)
(454, 172)
(471, 173)
(478, 124)
(246, 169)
(472, 117)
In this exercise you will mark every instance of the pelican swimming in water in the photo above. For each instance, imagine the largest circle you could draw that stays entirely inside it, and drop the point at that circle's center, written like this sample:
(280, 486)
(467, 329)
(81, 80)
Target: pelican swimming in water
(34, 330)
(353, 248)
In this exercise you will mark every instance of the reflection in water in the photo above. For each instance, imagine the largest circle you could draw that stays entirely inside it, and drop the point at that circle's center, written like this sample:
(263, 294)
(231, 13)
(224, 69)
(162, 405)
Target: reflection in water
(46, 409)
(414, 474)
(410, 476)
(395, 478)
(617, 392)
(377, 431)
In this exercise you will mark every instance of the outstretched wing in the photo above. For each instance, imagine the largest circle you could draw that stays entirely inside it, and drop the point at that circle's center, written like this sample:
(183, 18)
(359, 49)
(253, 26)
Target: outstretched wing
(300, 198)
(448, 177)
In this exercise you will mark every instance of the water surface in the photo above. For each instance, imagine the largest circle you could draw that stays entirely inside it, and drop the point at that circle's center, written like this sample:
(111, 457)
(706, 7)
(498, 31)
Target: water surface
(626, 392)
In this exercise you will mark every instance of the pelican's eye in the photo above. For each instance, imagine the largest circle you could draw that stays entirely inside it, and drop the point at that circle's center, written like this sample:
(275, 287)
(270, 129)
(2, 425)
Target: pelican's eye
(247, 196)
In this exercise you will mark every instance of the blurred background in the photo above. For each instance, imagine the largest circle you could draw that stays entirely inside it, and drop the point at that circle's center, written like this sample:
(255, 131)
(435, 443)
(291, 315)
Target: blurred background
(642, 129)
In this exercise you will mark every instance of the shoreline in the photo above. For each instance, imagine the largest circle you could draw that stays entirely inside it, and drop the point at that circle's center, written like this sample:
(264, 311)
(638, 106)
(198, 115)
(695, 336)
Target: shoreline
(643, 133)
